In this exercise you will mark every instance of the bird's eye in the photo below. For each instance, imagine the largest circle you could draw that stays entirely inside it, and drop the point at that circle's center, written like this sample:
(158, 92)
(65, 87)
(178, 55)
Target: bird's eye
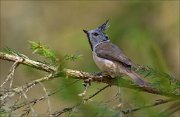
(95, 34)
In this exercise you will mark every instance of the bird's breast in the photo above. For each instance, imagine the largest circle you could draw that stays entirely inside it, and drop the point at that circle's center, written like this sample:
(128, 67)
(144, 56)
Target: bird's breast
(106, 65)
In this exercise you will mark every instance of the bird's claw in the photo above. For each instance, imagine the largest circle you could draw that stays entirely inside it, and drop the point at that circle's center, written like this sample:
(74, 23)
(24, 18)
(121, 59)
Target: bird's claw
(102, 74)
(98, 73)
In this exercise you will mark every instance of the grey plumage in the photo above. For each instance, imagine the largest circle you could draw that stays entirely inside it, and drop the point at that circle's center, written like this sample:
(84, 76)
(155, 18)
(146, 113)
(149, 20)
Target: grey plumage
(112, 52)
(110, 58)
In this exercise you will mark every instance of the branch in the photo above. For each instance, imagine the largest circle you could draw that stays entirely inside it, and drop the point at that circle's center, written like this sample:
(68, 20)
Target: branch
(27, 61)
(80, 75)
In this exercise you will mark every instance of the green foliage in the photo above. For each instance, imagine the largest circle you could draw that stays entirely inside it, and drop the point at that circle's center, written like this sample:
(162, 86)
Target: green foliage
(95, 110)
(42, 50)
(66, 58)
(70, 92)
(72, 57)
(160, 80)
(3, 113)
(10, 51)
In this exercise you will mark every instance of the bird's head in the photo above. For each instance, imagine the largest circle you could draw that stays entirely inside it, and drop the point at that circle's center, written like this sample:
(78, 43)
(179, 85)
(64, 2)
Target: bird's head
(97, 35)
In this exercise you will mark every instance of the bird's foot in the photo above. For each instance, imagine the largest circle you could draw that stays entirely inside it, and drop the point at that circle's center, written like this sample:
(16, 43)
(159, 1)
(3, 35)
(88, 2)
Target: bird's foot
(102, 74)
(98, 73)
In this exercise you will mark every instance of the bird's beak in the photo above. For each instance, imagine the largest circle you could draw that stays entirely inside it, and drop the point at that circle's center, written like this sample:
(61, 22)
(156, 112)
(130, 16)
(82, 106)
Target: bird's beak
(85, 31)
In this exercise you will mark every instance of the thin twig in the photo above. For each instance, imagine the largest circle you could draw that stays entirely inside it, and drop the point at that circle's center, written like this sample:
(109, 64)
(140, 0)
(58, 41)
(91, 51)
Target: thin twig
(91, 96)
(113, 98)
(34, 101)
(58, 113)
(159, 102)
(11, 73)
(33, 111)
(28, 86)
(47, 97)
(16, 101)
(171, 109)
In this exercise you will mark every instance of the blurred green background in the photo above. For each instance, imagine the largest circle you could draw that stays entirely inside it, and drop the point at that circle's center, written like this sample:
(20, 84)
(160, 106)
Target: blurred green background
(147, 31)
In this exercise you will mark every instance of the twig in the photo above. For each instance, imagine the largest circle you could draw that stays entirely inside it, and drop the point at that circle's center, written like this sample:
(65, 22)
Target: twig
(25, 96)
(16, 101)
(159, 102)
(84, 75)
(47, 97)
(171, 109)
(34, 101)
(96, 93)
(11, 73)
(113, 98)
(58, 113)
(25, 87)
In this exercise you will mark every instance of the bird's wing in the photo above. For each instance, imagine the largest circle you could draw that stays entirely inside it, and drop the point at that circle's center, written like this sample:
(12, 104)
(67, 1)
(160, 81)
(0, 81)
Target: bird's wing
(109, 51)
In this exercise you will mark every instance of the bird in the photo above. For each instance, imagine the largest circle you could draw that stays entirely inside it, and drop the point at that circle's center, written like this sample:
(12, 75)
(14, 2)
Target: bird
(109, 58)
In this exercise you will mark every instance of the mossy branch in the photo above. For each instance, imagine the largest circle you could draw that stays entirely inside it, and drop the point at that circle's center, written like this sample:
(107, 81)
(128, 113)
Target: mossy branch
(81, 75)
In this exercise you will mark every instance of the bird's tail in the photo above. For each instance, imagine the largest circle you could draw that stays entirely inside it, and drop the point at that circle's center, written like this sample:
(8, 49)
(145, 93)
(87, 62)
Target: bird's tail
(137, 79)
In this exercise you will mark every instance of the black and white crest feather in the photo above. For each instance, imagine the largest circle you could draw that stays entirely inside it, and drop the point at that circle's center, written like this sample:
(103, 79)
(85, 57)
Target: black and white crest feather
(104, 26)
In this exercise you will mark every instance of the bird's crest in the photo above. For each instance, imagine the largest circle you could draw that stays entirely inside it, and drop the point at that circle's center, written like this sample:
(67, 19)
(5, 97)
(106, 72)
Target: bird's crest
(104, 26)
